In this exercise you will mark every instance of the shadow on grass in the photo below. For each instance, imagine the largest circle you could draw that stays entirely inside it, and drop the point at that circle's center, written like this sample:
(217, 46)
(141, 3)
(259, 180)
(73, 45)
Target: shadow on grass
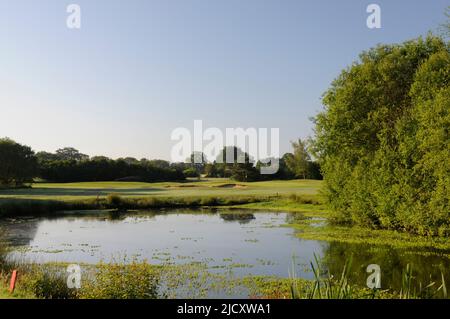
(77, 191)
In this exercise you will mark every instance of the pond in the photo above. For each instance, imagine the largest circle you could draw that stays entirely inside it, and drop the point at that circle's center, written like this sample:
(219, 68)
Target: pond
(239, 241)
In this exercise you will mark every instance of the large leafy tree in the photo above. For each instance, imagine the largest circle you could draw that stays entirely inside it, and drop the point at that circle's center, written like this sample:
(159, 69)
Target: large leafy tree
(383, 138)
(18, 164)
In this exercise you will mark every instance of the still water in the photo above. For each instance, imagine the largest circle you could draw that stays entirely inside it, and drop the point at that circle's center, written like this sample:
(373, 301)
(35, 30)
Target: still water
(248, 243)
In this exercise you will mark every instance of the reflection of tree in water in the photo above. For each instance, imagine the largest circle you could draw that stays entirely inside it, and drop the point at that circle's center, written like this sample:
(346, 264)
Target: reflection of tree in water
(242, 218)
(20, 232)
(426, 267)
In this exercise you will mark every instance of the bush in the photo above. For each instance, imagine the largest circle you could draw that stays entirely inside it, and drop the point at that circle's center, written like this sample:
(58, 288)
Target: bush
(137, 280)
(114, 200)
(191, 172)
(48, 282)
(383, 139)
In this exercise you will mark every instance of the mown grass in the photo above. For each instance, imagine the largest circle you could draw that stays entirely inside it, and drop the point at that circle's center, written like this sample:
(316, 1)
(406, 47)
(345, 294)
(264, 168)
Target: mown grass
(211, 187)
(44, 199)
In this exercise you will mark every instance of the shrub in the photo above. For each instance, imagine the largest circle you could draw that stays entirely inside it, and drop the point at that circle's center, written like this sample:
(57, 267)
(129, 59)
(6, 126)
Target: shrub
(114, 200)
(137, 280)
(48, 282)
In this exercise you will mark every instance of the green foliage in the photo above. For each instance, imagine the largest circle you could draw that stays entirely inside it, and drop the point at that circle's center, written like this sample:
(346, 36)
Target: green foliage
(114, 201)
(383, 140)
(18, 163)
(191, 172)
(47, 282)
(70, 154)
(299, 160)
(137, 280)
(431, 290)
(67, 169)
(326, 286)
(236, 164)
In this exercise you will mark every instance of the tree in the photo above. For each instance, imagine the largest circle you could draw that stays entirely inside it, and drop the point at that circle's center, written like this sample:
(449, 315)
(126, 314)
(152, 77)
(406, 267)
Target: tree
(191, 172)
(211, 170)
(130, 160)
(158, 163)
(197, 160)
(18, 163)
(298, 162)
(46, 157)
(383, 139)
(70, 154)
(234, 163)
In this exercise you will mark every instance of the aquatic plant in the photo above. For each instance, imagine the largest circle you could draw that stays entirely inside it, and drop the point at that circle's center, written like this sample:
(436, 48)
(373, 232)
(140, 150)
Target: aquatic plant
(326, 286)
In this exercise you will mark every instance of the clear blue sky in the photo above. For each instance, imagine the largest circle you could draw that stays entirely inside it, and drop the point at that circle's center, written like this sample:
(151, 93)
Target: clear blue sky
(138, 69)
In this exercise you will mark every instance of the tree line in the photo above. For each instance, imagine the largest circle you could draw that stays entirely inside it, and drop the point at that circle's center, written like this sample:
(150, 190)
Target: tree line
(19, 164)
(296, 165)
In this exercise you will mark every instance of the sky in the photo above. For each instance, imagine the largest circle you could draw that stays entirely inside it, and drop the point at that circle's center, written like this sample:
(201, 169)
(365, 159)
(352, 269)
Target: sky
(136, 70)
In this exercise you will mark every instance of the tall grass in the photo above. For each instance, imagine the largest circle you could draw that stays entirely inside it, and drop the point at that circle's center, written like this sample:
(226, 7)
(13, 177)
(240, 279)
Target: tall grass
(135, 280)
(30, 207)
(46, 282)
(36, 207)
(410, 290)
(304, 199)
(329, 287)
(324, 288)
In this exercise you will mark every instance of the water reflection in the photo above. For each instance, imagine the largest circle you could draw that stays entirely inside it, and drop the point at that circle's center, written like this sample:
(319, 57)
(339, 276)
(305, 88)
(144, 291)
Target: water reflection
(242, 218)
(20, 232)
(426, 267)
(224, 240)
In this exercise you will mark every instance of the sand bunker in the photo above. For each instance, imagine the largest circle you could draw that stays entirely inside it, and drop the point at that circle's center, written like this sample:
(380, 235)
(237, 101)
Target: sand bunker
(231, 186)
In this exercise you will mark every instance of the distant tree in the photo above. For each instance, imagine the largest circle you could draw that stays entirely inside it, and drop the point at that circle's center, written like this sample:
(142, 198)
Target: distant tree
(197, 160)
(179, 166)
(283, 171)
(18, 163)
(46, 157)
(236, 164)
(298, 162)
(314, 170)
(211, 170)
(100, 158)
(191, 172)
(159, 163)
(130, 160)
(70, 154)
(101, 168)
